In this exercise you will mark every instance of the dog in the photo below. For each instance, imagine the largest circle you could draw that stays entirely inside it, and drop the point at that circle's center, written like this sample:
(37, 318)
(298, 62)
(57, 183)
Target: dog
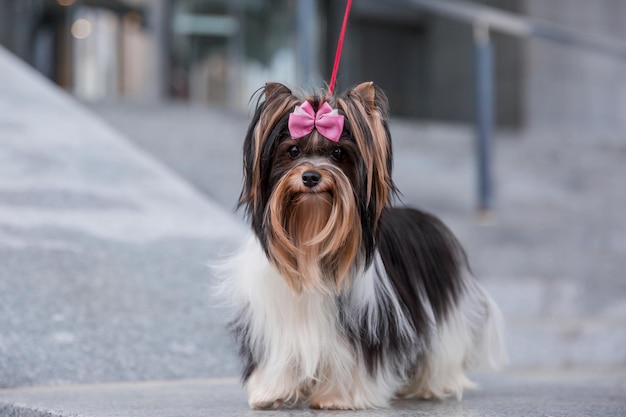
(339, 300)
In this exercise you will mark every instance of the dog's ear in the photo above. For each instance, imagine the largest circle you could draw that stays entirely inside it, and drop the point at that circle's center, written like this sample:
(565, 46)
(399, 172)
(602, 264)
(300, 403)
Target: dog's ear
(367, 112)
(372, 98)
(366, 92)
(275, 102)
(275, 90)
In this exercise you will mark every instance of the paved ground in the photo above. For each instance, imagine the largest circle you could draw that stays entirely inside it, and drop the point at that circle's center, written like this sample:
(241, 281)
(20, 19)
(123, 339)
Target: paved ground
(511, 396)
(103, 251)
(104, 288)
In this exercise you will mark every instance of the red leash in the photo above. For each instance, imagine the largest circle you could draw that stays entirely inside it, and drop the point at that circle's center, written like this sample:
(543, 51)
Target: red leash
(333, 78)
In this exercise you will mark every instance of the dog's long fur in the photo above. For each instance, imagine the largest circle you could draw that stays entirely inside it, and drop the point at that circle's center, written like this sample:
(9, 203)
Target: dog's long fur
(340, 300)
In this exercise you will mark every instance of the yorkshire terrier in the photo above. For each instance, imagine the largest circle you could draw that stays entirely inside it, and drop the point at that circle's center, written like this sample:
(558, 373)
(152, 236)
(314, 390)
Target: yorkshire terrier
(342, 301)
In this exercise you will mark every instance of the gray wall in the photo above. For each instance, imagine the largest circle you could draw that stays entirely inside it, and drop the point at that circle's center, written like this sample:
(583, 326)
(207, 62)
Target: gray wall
(425, 63)
(451, 71)
(573, 88)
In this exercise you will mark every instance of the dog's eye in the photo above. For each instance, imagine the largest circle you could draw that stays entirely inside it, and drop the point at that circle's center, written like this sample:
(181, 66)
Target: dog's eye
(294, 151)
(338, 154)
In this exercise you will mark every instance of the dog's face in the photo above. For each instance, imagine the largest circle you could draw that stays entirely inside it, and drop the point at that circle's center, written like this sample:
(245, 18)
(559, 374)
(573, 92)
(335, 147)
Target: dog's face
(314, 203)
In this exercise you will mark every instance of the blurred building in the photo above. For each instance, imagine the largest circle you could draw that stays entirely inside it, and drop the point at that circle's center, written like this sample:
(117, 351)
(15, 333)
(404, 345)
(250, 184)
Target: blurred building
(221, 51)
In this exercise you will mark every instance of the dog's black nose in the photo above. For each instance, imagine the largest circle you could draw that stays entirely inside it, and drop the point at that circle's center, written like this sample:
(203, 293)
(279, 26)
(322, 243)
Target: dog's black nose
(311, 178)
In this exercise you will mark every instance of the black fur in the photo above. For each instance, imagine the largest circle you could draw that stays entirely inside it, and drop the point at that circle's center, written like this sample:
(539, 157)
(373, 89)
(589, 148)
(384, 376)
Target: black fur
(252, 211)
(424, 261)
(421, 257)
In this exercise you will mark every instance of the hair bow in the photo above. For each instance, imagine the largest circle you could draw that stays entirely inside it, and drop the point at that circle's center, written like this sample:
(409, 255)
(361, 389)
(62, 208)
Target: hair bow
(327, 121)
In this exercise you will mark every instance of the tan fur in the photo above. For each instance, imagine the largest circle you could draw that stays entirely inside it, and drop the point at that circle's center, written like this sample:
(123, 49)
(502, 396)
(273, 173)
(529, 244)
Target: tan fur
(278, 102)
(313, 241)
(375, 157)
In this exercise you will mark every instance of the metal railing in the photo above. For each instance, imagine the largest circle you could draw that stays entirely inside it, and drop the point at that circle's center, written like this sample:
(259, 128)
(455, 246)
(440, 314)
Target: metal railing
(485, 19)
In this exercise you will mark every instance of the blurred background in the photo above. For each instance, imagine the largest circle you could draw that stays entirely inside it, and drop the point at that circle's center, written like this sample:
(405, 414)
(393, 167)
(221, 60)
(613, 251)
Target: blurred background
(220, 52)
(517, 106)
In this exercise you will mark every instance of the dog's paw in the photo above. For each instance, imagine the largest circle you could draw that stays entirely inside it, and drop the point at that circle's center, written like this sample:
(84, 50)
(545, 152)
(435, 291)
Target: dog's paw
(425, 394)
(265, 405)
(331, 404)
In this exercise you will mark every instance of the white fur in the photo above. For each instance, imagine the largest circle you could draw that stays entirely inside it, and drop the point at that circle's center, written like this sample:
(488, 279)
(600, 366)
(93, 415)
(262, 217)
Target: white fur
(470, 338)
(305, 354)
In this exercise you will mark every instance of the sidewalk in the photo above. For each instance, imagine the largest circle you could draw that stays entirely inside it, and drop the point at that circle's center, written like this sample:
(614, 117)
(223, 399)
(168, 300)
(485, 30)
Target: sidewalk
(103, 251)
(105, 306)
(502, 396)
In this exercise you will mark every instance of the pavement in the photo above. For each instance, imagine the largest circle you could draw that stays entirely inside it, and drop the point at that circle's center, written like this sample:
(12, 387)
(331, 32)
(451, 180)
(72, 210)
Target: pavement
(103, 251)
(109, 214)
(511, 396)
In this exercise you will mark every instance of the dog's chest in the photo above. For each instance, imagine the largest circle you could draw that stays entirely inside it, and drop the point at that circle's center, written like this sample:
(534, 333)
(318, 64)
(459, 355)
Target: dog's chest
(297, 330)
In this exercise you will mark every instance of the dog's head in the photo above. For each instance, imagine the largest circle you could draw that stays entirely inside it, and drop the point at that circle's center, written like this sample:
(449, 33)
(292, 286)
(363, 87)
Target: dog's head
(313, 202)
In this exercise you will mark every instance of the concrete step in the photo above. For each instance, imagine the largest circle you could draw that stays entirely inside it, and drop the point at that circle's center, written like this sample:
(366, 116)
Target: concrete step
(103, 250)
(549, 325)
(573, 393)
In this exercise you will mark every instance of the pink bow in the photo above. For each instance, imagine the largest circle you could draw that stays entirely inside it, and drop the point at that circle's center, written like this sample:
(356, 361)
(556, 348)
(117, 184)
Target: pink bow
(327, 121)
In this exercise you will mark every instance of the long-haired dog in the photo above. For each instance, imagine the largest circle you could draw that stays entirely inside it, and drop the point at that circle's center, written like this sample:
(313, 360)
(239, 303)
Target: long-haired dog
(342, 301)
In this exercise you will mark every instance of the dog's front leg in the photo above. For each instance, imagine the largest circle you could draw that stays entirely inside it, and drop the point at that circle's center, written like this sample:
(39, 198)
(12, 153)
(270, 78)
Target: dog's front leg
(354, 392)
(270, 392)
